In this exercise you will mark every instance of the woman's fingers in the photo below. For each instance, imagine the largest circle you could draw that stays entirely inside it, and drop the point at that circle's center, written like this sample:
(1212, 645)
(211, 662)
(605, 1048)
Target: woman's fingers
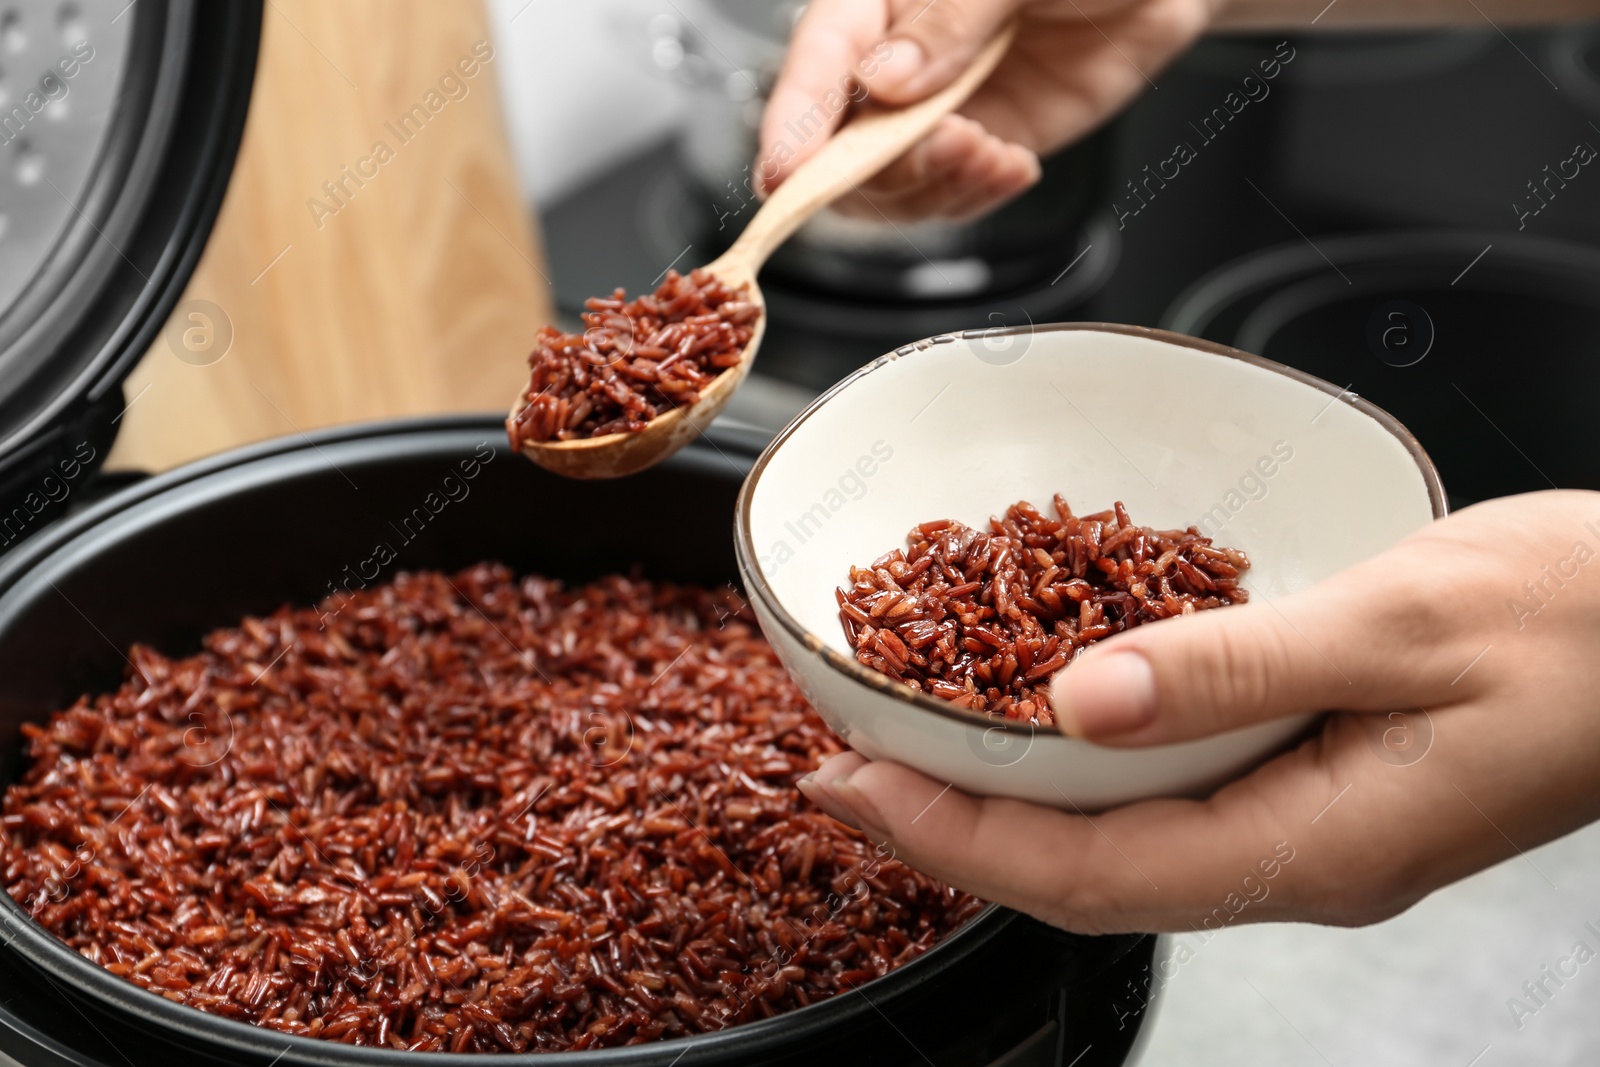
(1155, 865)
(1002, 172)
(929, 44)
(835, 768)
(831, 55)
(959, 170)
(1198, 675)
(1386, 634)
(933, 159)
(1072, 65)
(898, 51)
(1335, 831)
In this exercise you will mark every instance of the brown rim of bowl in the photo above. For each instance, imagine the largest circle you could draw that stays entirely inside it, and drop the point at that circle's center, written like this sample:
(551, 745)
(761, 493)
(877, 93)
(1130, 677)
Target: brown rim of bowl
(750, 567)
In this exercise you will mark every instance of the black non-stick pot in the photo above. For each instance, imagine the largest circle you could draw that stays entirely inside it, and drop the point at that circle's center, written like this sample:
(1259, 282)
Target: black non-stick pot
(175, 556)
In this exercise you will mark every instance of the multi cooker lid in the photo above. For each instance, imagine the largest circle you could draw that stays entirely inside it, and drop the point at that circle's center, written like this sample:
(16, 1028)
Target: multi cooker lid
(119, 124)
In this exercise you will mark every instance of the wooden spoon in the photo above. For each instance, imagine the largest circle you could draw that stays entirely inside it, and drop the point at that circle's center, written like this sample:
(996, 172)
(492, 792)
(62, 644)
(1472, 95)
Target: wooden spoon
(860, 149)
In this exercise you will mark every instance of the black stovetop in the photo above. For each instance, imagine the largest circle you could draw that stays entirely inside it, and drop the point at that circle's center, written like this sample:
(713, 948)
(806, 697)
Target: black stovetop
(1390, 135)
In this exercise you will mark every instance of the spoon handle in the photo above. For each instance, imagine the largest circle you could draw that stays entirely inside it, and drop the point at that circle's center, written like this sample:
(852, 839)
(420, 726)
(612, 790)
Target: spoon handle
(859, 149)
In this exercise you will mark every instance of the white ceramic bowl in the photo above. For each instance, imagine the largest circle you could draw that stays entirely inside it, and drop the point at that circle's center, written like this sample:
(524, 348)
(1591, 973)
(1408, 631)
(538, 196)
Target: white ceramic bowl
(1305, 478)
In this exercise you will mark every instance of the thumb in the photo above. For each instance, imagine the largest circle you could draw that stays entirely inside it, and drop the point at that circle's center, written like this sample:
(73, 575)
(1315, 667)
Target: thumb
(928, 44)
(1189, 677)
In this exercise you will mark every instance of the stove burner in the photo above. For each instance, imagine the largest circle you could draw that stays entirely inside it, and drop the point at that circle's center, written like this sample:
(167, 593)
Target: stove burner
(1481, 343)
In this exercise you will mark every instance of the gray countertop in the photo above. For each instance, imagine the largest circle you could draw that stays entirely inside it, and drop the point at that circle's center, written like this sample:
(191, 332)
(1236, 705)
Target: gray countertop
(1430, 986)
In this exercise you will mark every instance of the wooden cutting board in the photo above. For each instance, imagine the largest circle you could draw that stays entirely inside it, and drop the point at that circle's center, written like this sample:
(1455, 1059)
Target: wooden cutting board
(373, 257)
